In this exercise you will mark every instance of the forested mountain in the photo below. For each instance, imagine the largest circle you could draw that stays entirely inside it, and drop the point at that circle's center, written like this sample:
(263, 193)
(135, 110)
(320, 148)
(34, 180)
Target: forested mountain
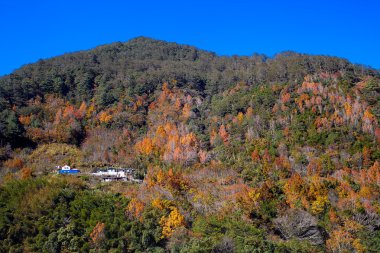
(237, 154)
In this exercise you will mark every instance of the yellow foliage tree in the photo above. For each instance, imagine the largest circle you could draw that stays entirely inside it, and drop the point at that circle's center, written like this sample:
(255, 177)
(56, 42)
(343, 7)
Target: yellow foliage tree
(240, 118)
(348, 109)
(160, 177)
(170, 223)
(318, 206)
(90, 110)
(162, 203)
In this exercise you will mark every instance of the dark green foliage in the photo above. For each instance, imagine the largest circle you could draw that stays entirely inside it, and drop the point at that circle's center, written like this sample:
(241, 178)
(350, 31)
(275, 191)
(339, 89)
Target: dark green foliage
(141, 64)
(371, 91)
(371, 240)
(62, 217)
(227, 235)
(10, 128)
(231, 104)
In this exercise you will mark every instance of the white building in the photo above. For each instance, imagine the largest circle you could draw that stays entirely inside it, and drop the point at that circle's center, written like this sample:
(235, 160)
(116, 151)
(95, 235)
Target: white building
(110, 173)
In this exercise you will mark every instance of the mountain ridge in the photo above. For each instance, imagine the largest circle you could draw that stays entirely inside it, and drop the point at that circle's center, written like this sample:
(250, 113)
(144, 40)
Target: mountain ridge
(150, 61)
(155, 42)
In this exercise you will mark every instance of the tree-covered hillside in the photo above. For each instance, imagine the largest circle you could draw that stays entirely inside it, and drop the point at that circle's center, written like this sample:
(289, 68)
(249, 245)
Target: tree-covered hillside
(238, 154)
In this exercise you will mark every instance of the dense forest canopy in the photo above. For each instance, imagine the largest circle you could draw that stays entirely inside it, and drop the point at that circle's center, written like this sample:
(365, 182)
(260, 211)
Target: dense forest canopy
(140, 65)
(237, 154)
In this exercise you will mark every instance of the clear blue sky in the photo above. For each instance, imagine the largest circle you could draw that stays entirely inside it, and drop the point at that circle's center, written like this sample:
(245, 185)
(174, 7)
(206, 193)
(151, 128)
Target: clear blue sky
(31, 30)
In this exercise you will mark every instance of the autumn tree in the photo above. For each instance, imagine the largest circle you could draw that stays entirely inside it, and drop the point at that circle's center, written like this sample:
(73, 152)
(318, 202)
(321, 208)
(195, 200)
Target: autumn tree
(173, 221)
(295, 190)
(98, 233)
(223, 134)
(135, 208)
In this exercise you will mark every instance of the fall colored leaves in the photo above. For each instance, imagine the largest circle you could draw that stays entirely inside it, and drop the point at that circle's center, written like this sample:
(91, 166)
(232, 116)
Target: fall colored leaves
(171, 220)
(169, 137)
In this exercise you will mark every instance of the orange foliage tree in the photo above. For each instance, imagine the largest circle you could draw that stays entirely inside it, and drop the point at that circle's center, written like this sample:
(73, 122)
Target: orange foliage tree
(98, 233)
(295, 190)
(224, 134)
(14, 163)
(135, 208)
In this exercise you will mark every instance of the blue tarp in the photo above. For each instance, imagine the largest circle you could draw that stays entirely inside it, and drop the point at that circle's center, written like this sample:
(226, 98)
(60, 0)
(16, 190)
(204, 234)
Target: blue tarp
(73, 171)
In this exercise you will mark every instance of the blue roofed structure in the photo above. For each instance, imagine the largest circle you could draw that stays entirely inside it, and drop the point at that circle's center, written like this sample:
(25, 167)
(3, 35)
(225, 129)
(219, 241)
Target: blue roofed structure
(66, 170)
